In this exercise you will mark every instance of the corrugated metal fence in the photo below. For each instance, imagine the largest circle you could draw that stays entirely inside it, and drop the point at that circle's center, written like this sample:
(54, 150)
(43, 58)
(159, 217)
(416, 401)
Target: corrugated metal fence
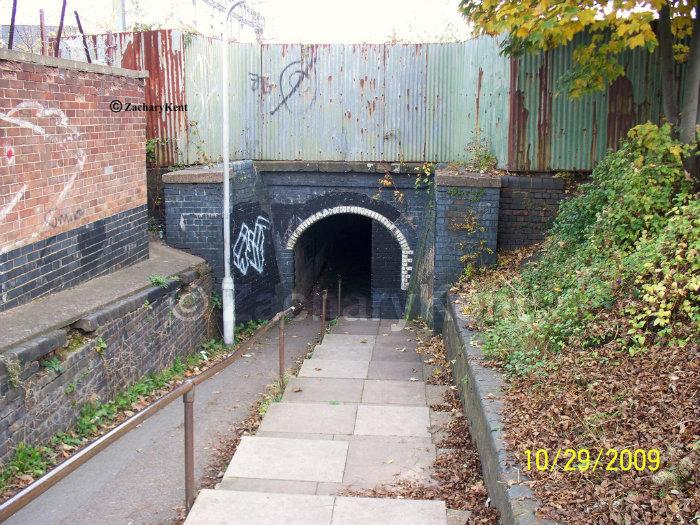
(378, 102)
(359, 102)
(417, 102)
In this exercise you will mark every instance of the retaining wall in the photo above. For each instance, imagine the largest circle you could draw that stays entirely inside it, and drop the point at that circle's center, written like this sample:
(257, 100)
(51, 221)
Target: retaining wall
(101, 354)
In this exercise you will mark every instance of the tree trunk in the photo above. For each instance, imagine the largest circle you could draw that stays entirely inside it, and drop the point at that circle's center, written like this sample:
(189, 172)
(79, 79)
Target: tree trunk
(691, 89)
(669, 92)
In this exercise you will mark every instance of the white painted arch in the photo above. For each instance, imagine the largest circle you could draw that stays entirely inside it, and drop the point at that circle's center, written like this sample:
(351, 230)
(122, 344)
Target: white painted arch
(406, 252)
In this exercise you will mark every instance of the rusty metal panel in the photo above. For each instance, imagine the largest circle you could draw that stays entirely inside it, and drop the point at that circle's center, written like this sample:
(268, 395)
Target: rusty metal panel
(160, 52)
(550, 131)
(405, 99)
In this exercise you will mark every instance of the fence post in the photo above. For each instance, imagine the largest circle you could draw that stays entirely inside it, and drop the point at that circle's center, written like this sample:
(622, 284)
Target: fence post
(281, 349)
(324, 301)
(188, 399)
(340, 307)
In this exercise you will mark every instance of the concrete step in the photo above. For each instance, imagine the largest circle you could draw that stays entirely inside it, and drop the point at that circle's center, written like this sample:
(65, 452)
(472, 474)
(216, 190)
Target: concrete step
(218, 507)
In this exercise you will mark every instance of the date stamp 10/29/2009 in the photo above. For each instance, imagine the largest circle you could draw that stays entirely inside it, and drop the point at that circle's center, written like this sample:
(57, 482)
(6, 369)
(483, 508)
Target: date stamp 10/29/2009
(592, 460)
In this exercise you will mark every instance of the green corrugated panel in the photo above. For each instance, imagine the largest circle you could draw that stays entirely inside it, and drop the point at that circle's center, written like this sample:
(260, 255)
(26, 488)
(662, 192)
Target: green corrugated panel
(203, 86)
(459, 75)
(565, 134)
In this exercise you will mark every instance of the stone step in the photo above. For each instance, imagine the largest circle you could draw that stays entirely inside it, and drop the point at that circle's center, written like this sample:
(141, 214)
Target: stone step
(215, 507)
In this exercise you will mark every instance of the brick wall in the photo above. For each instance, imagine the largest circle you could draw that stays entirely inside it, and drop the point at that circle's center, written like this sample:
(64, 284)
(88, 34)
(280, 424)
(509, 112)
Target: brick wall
(528, 206)
(69, 168)
(143, 333)
(194, 224)
(466, 226)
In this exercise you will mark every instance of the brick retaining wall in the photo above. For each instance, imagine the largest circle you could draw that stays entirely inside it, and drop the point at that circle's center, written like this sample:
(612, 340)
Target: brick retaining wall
(113, 348)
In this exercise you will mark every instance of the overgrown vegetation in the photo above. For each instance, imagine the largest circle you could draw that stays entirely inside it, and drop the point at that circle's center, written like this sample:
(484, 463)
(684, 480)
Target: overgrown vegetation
(29, 462)
(629, 243)
(599, 334)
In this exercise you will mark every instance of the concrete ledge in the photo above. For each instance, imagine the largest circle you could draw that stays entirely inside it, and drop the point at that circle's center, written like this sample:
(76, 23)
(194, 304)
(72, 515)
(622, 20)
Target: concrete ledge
(466, 179)
(481, 390)
(207, 174)
(48, 61)
(38, 347)
(337, 166)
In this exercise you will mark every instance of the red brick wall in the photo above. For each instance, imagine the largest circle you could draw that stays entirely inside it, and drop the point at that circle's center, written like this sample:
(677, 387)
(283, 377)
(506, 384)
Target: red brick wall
(66, 160)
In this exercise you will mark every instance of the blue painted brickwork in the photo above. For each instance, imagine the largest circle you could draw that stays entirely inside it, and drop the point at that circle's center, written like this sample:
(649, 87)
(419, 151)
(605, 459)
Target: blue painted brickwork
(193, 224)
(466, 230)
(454, 225)
(69, 258)
(527, 208)
(296, 196)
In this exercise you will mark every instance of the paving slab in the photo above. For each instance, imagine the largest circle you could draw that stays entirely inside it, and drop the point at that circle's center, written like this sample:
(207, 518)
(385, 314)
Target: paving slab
(335, 368)
(348, 339)
(214, 507)
(395, 353)
(354, 352)
(309, 389)
(357, 327)
(438, 425)
(314, 418)
(384, 511)
(392, 326)
(384, 461)
(387, 392)
(387, 420)
(268, 485)
(288, 459)
(434, 394)
(396, 370)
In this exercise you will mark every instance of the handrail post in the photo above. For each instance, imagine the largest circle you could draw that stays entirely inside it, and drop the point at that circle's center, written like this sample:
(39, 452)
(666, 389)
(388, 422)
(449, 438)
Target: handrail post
(324, 300)
(281, 348)
(188, 399)
(340, 307)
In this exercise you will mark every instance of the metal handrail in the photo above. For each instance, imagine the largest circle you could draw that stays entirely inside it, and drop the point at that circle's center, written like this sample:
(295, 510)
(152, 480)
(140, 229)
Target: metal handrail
(185, 390)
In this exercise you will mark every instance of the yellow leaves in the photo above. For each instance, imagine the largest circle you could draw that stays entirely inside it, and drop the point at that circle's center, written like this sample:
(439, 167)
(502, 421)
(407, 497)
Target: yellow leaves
(676, 151)
(636, 41)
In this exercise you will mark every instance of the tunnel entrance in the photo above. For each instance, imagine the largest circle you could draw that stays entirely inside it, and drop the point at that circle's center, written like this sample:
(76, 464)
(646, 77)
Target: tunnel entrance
(339, 245)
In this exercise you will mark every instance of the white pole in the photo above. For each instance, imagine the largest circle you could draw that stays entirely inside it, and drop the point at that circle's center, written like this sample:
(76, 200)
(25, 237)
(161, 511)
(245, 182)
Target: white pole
(227, 288)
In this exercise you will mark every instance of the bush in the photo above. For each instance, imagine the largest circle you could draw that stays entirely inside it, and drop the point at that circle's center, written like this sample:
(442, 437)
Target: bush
(626, 246)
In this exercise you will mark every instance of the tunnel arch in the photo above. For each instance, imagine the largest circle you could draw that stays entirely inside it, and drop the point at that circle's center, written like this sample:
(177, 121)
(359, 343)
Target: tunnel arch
(406, 252)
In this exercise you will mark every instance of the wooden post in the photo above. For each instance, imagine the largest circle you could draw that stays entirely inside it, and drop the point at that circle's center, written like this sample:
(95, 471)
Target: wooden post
(11, 37)
(42, 32)
(80, 28)
(60, 29)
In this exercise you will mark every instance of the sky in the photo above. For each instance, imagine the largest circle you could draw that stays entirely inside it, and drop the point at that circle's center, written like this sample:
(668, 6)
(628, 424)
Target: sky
(294, 21)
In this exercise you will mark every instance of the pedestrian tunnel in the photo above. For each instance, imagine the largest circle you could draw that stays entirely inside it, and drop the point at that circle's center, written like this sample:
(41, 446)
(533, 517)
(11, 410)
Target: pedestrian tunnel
(367, 256)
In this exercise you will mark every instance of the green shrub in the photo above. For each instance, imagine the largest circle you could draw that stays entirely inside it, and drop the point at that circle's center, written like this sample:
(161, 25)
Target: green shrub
(626, 246)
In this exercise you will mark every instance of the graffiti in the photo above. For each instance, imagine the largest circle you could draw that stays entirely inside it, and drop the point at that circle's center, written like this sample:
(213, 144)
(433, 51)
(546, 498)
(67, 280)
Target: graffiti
(297, 82)
(249, 249)
(29, 115)
(260, 82)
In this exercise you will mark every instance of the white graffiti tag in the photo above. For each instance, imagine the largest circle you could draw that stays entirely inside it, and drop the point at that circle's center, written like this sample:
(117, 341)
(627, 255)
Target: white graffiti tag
(249, 250)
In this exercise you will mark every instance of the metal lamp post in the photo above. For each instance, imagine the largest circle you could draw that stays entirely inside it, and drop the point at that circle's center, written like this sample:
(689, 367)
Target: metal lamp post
(227, 286)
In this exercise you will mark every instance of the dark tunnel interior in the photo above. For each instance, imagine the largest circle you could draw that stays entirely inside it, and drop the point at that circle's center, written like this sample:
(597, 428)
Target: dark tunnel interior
(337, 245)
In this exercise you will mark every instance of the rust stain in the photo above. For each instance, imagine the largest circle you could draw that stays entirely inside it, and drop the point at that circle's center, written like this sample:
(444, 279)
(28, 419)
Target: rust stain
(544, 116)
(517, 131)
(621, 111)
(478, 96)
(594, 136)
(362, 83)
